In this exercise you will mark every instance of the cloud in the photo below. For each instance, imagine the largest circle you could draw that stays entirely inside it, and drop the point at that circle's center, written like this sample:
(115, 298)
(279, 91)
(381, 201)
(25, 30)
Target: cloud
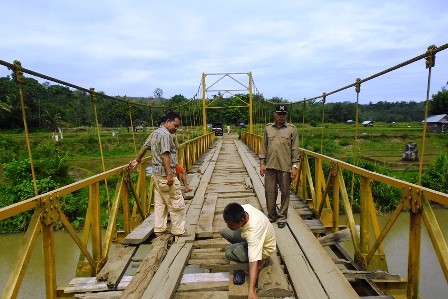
(294, 49)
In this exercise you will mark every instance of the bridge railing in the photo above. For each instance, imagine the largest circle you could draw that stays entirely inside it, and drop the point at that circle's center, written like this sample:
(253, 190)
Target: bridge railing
(315, 186)
(130, 203)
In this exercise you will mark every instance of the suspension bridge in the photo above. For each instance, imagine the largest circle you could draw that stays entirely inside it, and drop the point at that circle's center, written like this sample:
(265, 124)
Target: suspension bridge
(310, 261)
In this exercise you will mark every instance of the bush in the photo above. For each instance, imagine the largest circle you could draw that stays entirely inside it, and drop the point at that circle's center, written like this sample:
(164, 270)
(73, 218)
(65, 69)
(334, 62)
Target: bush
(344, 142)
(435, 176)
(385, 197)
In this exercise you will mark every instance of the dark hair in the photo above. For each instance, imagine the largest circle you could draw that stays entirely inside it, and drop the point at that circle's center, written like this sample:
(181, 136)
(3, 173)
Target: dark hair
(171, 116)
(160, 120)
(234, 212)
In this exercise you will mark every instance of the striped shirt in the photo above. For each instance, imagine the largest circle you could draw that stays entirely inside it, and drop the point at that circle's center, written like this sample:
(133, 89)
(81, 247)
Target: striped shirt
(162, 142)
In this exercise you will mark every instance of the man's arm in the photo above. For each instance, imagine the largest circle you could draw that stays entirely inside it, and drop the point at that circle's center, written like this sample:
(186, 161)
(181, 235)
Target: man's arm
(140, 155)
(253, 276)
(262, 155)
(184, 179)
(169, 172)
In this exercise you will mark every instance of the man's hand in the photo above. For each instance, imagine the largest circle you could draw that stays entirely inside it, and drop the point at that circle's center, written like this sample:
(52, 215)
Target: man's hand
(262, 170)
(252, 295)
(169, 179)
(133, 163)
(293, 173)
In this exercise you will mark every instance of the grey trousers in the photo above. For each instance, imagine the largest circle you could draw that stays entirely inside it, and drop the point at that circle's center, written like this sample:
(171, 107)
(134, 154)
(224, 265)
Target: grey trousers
(274, 178)
(237, 251)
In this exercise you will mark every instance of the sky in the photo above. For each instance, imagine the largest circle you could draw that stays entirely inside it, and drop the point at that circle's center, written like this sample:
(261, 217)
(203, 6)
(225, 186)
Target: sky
(293, 49)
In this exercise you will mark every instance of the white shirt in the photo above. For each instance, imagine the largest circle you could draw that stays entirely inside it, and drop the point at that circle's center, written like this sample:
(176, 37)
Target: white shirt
(259, 234)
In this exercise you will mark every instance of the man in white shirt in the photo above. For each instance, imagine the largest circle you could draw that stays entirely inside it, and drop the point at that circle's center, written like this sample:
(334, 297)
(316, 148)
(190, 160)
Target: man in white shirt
(252, 239)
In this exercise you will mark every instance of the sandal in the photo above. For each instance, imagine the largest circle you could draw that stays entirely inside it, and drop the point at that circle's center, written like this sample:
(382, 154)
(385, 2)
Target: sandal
(161, 233)
(185, 234)
(239, 277)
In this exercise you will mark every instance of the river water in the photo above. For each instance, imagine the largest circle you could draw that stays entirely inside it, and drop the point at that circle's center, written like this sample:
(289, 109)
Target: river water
(432, 281)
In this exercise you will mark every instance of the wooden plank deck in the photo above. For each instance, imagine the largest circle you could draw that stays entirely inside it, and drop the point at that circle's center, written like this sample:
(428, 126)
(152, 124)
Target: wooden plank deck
(195, 267)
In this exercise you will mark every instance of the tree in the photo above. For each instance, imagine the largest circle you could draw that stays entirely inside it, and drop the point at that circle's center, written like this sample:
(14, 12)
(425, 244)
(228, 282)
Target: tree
(158, 93)
(439, 102)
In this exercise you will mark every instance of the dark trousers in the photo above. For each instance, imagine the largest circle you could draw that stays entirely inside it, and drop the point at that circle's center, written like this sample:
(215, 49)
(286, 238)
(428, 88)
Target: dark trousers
(273, 180)
(237, 251)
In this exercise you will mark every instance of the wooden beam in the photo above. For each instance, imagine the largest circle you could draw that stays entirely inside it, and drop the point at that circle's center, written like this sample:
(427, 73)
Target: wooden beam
(91, 284)
(272, 281)
(337, 237)
(193, 282)
(142, 232)
(204, 227)
(378, 275)
(148, 268)
(116, 265)
(166, 279)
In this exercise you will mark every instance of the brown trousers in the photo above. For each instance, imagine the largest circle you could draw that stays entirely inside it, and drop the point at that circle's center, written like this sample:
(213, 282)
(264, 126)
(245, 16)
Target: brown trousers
(273, 180)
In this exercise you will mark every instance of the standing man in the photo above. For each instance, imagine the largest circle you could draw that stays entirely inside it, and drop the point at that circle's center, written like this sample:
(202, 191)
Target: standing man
(279, 155)
(252, 239)
(168, 197)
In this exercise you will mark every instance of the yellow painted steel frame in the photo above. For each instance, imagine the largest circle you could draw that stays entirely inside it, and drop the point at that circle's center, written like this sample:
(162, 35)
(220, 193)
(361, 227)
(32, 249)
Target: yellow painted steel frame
(415, 199)
(47, 210)
(205, 89)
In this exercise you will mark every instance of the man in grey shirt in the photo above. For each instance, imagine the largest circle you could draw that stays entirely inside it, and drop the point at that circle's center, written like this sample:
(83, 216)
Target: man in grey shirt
(168, 197)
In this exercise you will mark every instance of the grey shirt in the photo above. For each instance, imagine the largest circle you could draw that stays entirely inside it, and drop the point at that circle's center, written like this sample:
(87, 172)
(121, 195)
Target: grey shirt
(162, 142)
(280, 147)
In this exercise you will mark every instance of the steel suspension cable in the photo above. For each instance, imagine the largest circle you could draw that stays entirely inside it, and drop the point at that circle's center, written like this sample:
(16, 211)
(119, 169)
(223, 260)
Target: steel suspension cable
(19, 78)
(132, 127)
(430, 62)
(357, 89)
(94, 100)
(303, 123)
(324, 96)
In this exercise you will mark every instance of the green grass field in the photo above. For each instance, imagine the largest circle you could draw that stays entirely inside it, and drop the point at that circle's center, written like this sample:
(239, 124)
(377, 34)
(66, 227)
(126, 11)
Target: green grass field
(383, 144)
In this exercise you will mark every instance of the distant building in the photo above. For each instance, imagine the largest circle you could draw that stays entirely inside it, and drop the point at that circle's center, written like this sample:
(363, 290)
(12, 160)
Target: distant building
(241, 123)
(350, 122)
(139, 128)
(437, 123)
(367, 123)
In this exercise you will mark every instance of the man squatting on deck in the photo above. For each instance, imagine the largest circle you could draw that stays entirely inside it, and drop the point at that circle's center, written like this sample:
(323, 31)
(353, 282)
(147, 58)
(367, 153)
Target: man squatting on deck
(167, 194)
(252, 239)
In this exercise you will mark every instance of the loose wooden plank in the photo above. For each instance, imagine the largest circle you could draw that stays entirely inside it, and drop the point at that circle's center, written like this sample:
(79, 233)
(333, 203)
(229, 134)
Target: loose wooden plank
(238, 291)
(212, 243)
(204, 227)
(377, 275)
(272, 281)
(194, 182)
(198, 198)
(207, 253)
(148, 268)
(204, 281)
(204, 294)
(248, 183)
(315, 225)
(91, 284)
(116, 265)
(337, 237)
(304, 280)
(166, 280)
(100, 295)
(333, 281)
(208, 261)
(142, 232)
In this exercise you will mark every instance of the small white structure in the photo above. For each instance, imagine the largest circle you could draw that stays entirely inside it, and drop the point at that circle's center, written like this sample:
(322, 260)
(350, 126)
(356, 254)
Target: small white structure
(367, 123)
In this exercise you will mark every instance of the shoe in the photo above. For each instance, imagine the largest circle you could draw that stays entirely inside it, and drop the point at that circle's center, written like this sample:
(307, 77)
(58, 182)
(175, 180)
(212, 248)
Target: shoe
(239, 277)
(281, 224)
